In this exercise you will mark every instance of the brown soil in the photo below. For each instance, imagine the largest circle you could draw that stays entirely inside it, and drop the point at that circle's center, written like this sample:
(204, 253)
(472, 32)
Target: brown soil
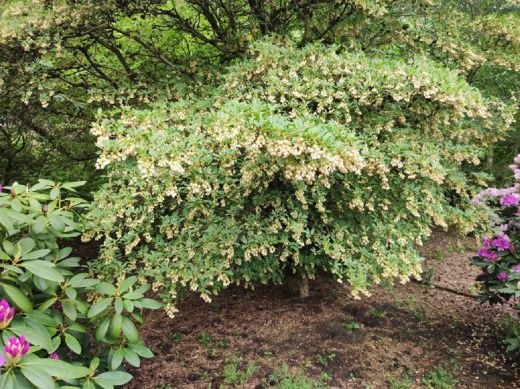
(405, 331)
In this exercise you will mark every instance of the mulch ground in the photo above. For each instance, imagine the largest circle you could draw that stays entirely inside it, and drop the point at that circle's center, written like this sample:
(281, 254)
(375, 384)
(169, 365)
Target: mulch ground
(406, 332)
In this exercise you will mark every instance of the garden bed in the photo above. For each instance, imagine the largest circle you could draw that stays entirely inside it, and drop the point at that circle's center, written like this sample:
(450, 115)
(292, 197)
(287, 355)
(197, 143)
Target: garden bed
(409, 336)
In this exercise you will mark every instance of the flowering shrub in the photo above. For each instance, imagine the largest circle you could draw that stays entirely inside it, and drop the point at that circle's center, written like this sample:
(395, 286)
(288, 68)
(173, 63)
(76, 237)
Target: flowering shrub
(304, 160)
(499, 256)
(49, 311)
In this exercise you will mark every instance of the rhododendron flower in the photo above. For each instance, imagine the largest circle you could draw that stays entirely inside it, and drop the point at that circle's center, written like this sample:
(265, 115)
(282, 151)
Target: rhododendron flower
(54, 356)
(502, 243)
(488, 254)
(517, 159)
(2, 360)
(510, 200)
(16, 348)
(487, 243)
(6, 314)
(513, 167)
(516, 268)
(503, 276)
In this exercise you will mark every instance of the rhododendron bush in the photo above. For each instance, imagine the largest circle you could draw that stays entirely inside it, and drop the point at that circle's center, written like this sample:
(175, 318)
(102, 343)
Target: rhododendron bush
(499, 257)
(59, 326)
(303, 160)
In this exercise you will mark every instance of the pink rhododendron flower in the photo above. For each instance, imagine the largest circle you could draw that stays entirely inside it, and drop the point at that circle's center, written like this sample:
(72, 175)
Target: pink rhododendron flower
(503, 276)
(516, 268)
(502, 243)
(6, 314)
(16, 348)
(488, 254)
(510, 200)
(54, 356)
(517, 159)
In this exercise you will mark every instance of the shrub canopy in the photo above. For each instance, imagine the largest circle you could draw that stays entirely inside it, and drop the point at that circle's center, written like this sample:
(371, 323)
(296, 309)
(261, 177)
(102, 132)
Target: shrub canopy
(304, 160)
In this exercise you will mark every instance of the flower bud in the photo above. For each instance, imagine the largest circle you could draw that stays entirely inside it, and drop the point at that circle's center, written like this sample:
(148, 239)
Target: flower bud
(6, 314)
(16, 349)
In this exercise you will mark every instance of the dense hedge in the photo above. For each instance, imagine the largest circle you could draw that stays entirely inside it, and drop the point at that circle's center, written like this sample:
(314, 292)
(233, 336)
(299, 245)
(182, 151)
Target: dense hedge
(304, 160)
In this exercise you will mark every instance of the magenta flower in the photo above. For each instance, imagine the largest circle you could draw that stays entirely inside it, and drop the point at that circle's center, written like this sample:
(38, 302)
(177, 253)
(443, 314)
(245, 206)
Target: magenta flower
(510, 199)
(487, 243)
(16, 348)
(502, 276)
(2, 360)
(54, 356)
(488, 254)
(516, 268)
(502, 243)
(6, 314)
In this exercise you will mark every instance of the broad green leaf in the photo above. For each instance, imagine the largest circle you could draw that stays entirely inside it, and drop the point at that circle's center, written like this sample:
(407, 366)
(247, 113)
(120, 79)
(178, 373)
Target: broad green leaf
(132, 358)
(69, 310)
(102, 329)
(44, 269)
(60, 369)
(142, 350)
(36, 254)
(106, 288)
(116, 324)
(118, 306)
(18, 298)
(72, 343)
(130, 330)
(34, 336)
(99, 307)
(117, 358)
(38, 377)
(112, 378)
(148, 304)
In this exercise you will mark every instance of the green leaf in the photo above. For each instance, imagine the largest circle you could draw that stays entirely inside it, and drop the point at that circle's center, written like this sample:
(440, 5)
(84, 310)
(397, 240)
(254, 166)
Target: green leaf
(127, 284)
(26, 244)
(18, 298)
(38, 377)
(118, 306)
(42, 318)
(72, 343)
(130, 330)
(69, 310)
(71, 293)
(80, 281)
(77, 327)
(34, 336)
(39, 226)
(44, 269)
(112, 378)
(106, 288)
(102, 329)
(36, 254)
(56, 222)
(60, 369)
(132, 358)
(99, 307)
(117, 358)
(116, 324)
(129, 305)
(47, 304)
(142, 350)
(148, 304)
(6, 381)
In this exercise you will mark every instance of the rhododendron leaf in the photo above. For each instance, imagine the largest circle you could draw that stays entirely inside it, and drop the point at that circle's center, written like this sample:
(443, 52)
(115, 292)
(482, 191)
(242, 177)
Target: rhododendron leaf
(129, 330)
(73, 343)
(99, 307)
(18, 298)
(141, 350)
(132, 358)
(69, 310)
(34, 336)
(112, 378)
(117, 358)
(36, 254)
(44, 269)
(102, 329)
(39, 377)
(59, 369)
